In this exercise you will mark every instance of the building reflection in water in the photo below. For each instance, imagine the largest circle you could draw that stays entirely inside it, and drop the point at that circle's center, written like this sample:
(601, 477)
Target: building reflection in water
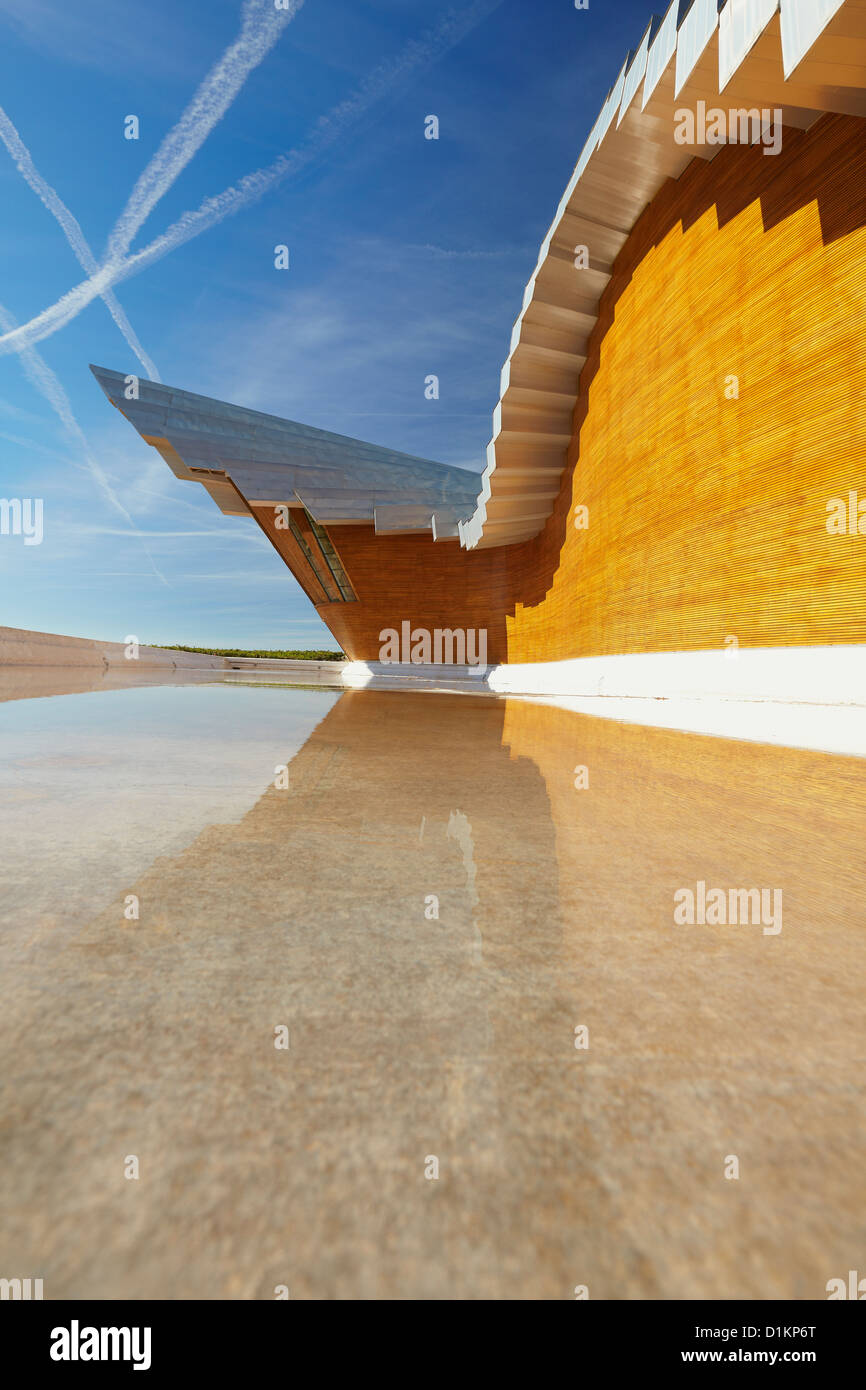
(414, 1035)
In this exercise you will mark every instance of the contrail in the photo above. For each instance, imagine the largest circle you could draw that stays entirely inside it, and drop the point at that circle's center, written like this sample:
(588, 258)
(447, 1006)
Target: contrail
(249, 189)
(378, 85)
(40, 375)
(261, 26)
(72, 231)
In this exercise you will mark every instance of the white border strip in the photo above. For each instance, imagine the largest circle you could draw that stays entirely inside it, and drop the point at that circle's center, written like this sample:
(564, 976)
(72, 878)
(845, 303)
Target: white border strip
(836, 729)
(662, 49)
(634, 76)
(798, 697)
(693, 36)
(792, 675)
(802, 23)
(741, 24)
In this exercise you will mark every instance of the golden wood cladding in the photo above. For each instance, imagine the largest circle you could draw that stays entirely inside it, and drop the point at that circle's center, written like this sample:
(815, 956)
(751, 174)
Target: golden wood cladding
(721, 409)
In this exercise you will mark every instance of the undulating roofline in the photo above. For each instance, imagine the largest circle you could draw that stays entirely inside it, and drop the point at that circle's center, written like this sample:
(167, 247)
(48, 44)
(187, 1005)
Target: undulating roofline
(800, 58)
(793, 59)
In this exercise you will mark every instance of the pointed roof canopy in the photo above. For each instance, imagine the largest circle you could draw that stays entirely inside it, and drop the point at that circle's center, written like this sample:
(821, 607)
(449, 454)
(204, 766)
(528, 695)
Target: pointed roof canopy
(269, 460)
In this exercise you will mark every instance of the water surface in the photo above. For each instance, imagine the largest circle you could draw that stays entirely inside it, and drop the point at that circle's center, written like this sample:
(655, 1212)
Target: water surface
(430, 908)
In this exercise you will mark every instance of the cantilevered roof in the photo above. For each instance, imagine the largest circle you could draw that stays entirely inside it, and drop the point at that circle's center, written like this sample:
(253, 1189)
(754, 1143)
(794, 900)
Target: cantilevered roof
(803, 56)
(270, 461)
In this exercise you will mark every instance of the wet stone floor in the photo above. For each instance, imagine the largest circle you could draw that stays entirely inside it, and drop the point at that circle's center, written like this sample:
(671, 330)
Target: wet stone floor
(382, 995)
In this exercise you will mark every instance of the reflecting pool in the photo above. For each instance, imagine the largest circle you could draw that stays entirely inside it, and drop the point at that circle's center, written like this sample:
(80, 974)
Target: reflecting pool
(384, 994)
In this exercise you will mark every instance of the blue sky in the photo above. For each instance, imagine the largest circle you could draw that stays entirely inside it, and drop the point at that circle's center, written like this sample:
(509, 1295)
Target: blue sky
(408, 257)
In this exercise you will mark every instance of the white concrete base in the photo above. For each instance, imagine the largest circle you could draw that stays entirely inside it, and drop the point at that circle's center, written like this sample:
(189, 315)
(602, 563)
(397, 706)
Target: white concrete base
(800, 697)
(797, 675)
(837, 729)
(389, 675)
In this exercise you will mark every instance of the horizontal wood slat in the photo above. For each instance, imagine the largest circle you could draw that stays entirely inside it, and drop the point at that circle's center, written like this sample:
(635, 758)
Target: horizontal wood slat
(707, 514)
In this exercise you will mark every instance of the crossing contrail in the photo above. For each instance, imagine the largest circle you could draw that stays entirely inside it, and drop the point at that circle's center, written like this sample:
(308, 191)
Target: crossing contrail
(72, 231)
(261, 25)
(380, 83)
(40, 375)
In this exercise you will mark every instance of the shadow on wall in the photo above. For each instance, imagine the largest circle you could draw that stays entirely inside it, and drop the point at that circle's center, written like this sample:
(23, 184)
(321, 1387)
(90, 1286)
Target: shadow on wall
(634, 593)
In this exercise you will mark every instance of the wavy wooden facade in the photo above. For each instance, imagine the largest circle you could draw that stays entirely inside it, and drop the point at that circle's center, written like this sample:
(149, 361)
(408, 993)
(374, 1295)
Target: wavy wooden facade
(707, 496)
(694, 383)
